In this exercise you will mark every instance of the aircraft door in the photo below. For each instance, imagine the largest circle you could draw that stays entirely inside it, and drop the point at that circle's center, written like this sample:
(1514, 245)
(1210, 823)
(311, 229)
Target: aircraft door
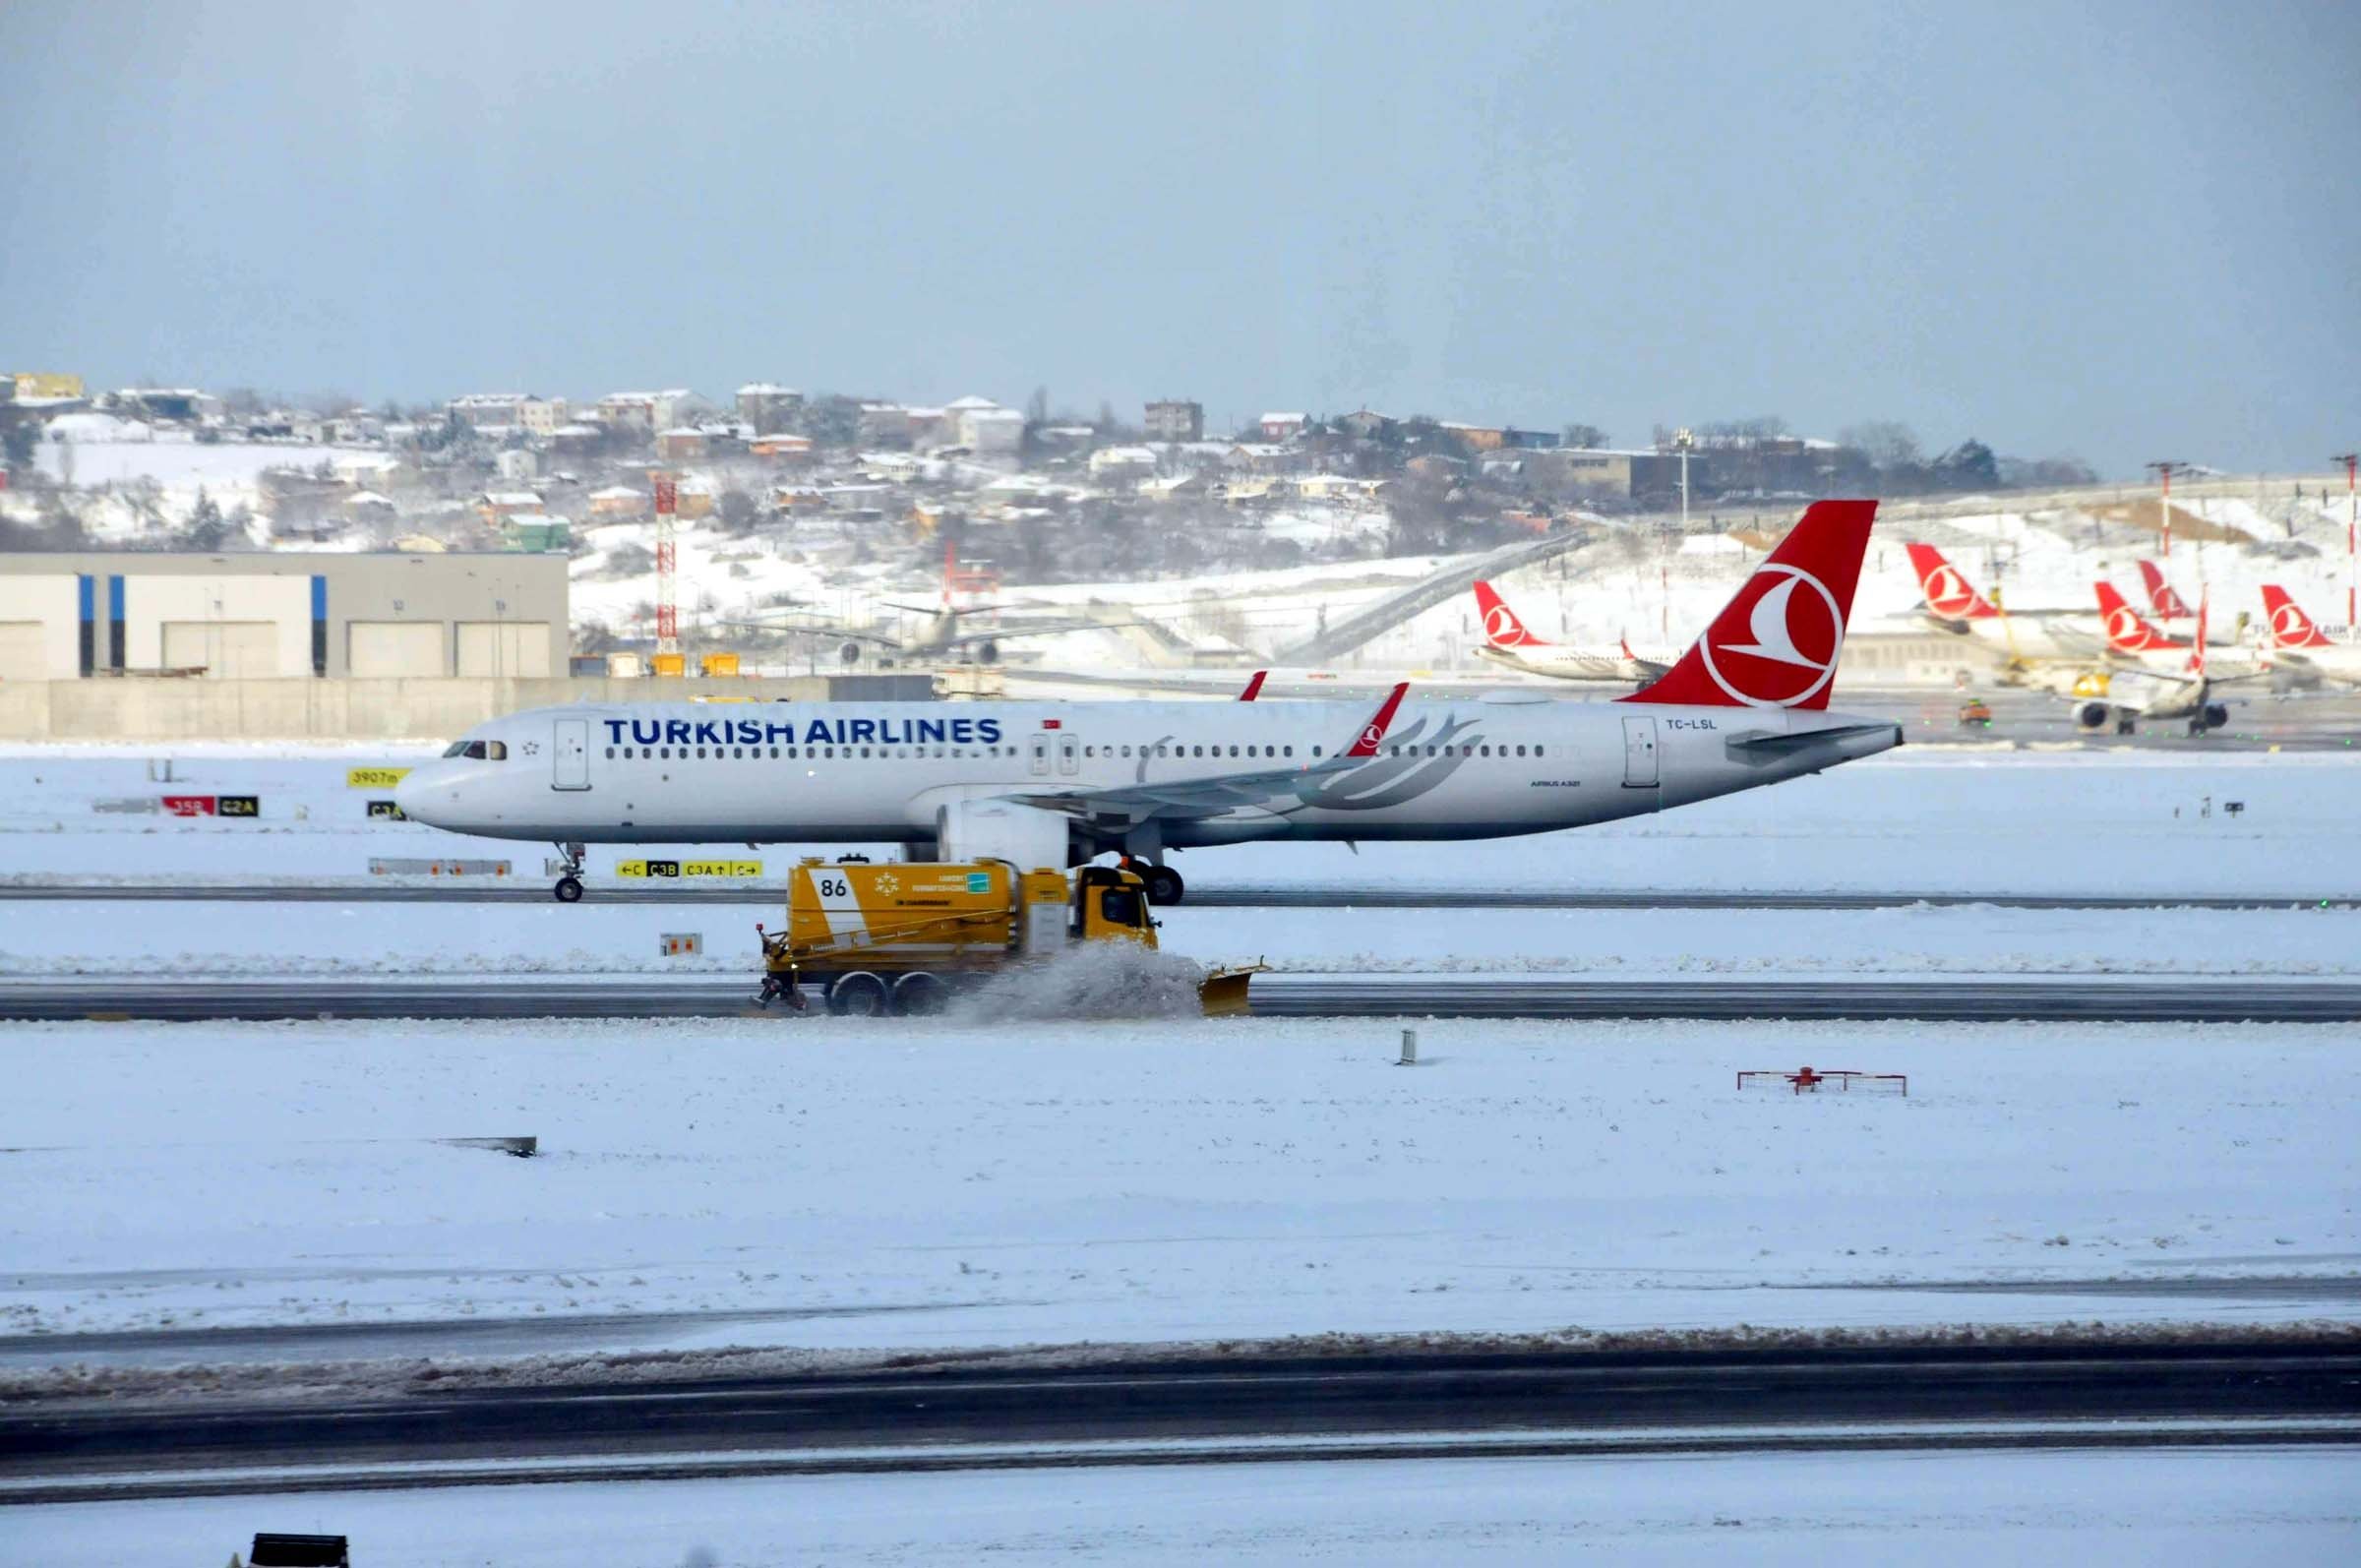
(1039, 747)
(572, 759)
(1639, 754)
(1069, 752)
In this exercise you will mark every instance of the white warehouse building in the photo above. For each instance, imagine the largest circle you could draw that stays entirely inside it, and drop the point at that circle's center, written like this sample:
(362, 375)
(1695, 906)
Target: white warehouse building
(266, 616)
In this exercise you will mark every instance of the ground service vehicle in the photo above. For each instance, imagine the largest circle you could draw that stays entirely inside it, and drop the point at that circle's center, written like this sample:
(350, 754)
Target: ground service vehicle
(901, 937)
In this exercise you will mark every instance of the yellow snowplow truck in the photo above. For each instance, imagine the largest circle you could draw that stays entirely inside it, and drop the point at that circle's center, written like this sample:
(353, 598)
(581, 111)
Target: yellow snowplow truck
(900, 938)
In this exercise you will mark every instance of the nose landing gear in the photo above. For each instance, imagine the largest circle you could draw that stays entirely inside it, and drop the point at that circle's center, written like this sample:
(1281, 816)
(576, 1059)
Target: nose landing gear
(570, 880)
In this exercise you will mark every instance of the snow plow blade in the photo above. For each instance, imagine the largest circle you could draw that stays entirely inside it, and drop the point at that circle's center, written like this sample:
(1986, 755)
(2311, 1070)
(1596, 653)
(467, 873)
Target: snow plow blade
(1222, 993)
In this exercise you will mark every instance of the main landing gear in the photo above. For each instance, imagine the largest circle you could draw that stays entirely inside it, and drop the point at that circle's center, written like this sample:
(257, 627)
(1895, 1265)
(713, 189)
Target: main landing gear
(570, 879)
(1163, 883)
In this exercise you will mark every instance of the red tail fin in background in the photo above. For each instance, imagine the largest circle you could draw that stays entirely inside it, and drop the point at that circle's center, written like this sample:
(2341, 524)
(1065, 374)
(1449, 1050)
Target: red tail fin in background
(2161, 597)
(1775, 644)
(2290, 626)
(1501, 627)
(1254, 686)
(1947, 592)
(2126, 632)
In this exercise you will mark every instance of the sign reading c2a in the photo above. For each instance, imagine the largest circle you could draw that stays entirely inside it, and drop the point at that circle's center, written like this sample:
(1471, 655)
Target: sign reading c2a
(688, 867)
(374, 778)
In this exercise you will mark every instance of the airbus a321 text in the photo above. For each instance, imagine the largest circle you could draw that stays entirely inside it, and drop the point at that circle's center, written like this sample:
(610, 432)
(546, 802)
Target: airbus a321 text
(1056, 783)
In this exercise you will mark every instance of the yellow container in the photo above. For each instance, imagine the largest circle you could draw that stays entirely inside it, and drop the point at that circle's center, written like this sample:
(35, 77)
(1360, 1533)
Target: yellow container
(673, 664)
(714, 664)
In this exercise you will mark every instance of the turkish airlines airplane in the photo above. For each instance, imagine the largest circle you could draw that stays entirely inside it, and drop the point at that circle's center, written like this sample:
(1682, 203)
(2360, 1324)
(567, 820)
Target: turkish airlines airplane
(1953, 605)
(2167, 605)
(1058, 783)
(2298, 645)
(2163, 684)
(1507, 641)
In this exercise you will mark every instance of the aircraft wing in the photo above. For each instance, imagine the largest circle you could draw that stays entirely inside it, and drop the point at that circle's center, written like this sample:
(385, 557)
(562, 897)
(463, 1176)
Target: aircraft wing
(1269, 789)
(1030, 628)
(820, 629)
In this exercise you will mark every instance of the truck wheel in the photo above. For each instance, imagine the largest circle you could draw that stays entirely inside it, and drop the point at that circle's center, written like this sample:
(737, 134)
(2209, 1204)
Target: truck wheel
(859, 995)
(920, 995)
(1165, 885)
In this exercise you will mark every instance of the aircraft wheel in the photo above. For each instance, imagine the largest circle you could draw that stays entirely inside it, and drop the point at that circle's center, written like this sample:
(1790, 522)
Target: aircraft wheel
(920, 995)
(569, 891)
(859, 995)
(1165, 885)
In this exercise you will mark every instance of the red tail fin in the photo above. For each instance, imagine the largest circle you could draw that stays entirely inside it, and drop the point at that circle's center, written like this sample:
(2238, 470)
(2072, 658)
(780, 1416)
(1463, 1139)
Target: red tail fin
(1775, 644)
(2161, 597)
(2126, 632)
(2290, 626)
(1501, 627)
(1947, 592)
(1254, 686)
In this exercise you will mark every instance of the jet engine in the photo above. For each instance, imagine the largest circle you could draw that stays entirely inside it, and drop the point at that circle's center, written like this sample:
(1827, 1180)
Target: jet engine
(2091, 716)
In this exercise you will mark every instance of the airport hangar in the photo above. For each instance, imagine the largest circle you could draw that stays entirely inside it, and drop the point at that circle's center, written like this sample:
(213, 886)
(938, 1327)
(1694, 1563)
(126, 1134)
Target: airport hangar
(265, 616)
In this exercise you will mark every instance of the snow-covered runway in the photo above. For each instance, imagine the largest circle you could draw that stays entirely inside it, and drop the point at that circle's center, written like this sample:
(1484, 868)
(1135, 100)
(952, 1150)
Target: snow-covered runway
(959, 1183)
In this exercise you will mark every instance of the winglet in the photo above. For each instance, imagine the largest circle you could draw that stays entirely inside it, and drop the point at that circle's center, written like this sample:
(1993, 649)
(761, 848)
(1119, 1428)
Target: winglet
(1254, 686)
(2196, 660)
(1501, 627)
(1373, 734)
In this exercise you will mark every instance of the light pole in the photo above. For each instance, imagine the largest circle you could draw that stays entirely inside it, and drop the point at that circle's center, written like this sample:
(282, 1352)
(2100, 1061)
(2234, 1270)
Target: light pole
(2164, 470)
(2352, 558)
(1683, 440)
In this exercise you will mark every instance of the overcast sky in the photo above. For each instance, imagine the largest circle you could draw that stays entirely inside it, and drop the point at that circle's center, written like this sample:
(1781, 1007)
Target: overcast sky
(2123, 231)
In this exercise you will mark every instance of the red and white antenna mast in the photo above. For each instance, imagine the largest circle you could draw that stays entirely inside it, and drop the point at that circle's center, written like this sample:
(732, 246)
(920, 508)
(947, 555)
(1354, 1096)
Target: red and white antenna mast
(2164, 471)
(668, 612)
(2352, 546)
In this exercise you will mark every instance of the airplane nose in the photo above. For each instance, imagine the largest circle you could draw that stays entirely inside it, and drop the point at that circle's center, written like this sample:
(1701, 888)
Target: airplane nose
(414, 794)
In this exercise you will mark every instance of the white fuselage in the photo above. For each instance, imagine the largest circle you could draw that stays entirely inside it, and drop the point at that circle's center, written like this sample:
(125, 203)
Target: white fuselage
(1561, 662)
(866, 772)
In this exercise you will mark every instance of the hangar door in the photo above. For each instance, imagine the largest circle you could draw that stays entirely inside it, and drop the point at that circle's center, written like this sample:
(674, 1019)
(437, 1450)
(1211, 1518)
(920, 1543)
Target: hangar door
(24, 652)
(394, 647)
(228, 650)
(504, 647)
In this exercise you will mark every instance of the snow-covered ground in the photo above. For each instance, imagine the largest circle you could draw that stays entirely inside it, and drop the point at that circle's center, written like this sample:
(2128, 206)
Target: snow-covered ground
(1927, 820)
(183, 939)
(2195, 1506)
(830, 1184)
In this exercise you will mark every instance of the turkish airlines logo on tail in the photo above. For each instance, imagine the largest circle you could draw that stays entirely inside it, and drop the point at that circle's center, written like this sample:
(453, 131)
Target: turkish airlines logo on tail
(2124, 628)
(1501, 627)
(2290, 627)
(1947, 593)
(1787, 647)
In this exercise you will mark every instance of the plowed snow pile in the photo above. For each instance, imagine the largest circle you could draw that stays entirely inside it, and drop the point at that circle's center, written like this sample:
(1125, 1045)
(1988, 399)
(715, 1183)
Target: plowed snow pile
(1091, 980)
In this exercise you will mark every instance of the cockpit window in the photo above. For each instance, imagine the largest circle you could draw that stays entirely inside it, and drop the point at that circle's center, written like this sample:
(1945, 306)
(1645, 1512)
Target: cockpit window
(481, 751)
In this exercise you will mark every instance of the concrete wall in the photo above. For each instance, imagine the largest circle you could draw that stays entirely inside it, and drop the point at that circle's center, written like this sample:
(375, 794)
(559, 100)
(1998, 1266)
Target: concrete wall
(308, 710)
